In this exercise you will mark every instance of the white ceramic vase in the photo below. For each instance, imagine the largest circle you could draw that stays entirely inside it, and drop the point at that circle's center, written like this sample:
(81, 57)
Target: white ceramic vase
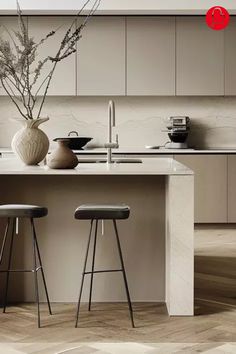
(30, 143)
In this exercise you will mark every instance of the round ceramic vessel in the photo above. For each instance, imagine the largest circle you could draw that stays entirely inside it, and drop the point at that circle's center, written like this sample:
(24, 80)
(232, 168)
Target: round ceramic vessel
(63, 157)
(30, 143)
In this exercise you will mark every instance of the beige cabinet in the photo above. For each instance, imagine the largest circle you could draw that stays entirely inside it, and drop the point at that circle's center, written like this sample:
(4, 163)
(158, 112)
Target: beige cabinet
(232, 188)
(101, 58)
(8, 25)
(151, 56)
(210, 186)
(199, 58)
(64, 78)
(230, 54)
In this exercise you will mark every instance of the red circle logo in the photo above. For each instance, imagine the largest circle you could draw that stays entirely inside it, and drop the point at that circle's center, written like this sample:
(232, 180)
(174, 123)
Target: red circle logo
(217, 18)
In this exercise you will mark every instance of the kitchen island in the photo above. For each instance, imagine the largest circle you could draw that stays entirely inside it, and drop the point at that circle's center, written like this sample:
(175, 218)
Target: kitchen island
(157, 239)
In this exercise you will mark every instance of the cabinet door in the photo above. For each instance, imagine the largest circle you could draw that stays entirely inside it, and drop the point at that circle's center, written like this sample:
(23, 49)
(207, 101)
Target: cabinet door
(200, 58)
(64, 79)
(8, 25)
(210, 186)
(230, 54)
(101, 57)
(151, 56)
(231, 188)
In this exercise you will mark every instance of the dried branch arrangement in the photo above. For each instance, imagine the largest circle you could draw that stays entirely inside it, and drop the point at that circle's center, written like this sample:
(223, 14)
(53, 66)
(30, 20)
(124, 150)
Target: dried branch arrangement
(20, 71)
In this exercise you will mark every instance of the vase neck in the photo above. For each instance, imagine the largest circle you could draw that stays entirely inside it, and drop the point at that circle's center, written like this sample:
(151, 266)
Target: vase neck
(34, 123)
(63, 142)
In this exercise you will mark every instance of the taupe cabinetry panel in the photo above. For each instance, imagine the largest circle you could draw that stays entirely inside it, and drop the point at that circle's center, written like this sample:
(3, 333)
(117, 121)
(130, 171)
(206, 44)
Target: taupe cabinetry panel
(230, 54)
(101, 57)
(64, 79)
(232, 188)
(150, 56)
(7, 24)
(210, 186)
(200, 58)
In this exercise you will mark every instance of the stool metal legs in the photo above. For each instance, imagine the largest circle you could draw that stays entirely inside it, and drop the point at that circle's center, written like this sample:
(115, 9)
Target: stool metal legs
(35, 271)
(4, 240)
(124, 273)
(93, 261)
(9, 262)
(41, 265)
(36, 254)
(83, 274)
(102, 271)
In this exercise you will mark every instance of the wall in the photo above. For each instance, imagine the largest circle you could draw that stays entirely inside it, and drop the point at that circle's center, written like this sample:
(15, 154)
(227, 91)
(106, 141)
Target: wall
(140, 120)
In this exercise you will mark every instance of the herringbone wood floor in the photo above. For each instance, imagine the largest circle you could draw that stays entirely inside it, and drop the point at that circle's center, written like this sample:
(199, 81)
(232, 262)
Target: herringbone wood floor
(107, 328)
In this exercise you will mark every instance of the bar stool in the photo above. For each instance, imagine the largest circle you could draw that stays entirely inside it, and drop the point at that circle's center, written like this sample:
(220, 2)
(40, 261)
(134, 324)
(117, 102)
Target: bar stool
(102, 212)
(13, 212)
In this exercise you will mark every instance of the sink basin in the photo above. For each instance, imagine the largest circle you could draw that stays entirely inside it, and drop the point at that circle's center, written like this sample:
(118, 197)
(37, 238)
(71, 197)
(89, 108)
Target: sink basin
(114, 161)
(128, 161)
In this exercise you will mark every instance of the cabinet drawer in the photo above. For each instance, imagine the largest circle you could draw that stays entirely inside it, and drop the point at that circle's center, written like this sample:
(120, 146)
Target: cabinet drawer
(101, 58)
(210, 186)
(232, 188)
(151, 55)
(64, 78)
(200, 58)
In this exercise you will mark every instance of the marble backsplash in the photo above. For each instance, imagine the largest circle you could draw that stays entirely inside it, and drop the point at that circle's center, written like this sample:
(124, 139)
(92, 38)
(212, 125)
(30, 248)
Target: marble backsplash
(140, 121)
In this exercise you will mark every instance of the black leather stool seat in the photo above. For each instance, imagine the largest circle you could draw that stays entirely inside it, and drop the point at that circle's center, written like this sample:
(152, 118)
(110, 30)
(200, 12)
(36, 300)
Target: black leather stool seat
(22, 211)
(102, 212)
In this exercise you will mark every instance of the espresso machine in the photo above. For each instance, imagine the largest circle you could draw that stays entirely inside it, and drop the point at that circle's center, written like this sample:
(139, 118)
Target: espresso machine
(178, 129)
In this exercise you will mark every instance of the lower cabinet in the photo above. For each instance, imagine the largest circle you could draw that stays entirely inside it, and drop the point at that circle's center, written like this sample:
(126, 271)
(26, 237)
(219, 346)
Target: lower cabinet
(232, 188)
(211, 187)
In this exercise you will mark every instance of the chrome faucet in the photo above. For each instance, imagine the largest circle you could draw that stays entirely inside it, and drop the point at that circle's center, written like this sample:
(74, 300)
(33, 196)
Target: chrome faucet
(111, 123)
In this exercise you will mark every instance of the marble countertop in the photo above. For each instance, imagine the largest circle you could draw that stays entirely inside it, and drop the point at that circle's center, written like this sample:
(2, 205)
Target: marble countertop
(149, 166)
(128, 151)
(160, 151)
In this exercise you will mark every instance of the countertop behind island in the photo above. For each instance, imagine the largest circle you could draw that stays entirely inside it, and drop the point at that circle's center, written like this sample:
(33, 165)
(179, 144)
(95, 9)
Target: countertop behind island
(145, 152)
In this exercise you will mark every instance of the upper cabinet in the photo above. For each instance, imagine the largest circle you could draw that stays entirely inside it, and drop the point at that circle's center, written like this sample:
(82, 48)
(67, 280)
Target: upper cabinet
(8, 24)
(230, 54)
(64, 79)
(101, 57)
(199, 58)
(151, 56)
(136, 56)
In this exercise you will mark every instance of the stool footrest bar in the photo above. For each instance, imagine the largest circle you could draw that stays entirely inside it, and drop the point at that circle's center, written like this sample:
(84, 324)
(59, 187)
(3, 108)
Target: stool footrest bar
(104, 271)
(20, 270)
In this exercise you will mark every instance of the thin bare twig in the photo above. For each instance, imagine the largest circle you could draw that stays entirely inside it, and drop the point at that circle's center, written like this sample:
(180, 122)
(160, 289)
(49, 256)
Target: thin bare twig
(13, 100)
(91, 12)
(17, 76)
